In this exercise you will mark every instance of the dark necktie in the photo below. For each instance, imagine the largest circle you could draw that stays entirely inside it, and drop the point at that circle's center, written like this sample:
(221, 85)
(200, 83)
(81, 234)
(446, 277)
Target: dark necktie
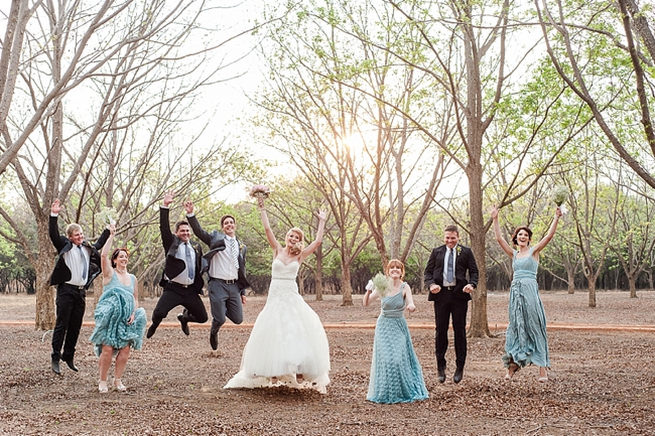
(451, 266)
(85, 267)
(190, 267)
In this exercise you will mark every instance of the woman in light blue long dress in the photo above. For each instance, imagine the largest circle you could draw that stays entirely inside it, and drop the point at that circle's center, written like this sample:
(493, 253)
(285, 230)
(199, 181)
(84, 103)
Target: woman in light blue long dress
(526, 342)
(119, 324)
(396, 375)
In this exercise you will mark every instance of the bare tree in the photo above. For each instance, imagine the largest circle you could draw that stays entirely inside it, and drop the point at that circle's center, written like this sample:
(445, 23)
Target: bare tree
(568, 33)
(145, 66)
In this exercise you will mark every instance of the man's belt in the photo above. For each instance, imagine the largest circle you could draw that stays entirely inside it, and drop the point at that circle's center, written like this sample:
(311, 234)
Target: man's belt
(227, 282)
(76, 287)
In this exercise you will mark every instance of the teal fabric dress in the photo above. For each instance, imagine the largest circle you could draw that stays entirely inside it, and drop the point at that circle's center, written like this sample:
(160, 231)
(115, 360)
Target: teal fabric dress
(113, 310)
(396, 375)
(525, 341)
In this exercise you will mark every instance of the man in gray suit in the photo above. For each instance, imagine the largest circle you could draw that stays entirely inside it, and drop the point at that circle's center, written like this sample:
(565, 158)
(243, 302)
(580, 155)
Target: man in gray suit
(226, 267)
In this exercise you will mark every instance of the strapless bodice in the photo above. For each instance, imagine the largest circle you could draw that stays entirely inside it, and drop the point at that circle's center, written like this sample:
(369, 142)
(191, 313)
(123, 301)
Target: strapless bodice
(282, 271)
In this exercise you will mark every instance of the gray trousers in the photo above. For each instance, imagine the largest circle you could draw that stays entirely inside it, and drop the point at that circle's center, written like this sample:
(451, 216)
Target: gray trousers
(225, 302)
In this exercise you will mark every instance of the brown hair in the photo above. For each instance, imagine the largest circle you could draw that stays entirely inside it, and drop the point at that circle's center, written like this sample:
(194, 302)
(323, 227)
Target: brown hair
(180, 224)
(396, 262)
(115, 254)
(224, 217)
(451, 228)
(516, 232)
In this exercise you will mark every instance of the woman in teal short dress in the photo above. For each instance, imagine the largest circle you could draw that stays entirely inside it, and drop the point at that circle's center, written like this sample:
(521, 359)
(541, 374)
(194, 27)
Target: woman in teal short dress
(120, 325)
(526, 342)
(396, 375)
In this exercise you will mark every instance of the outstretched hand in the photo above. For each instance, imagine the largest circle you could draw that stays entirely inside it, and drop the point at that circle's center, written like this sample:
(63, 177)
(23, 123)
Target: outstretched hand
(322, 216)
(558, 212)
(111, 228)
(493, 212)
(56, 207)
(168, 197)
(188, 207)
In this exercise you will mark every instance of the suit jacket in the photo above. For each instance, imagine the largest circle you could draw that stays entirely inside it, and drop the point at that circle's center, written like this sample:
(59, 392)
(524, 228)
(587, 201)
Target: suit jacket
(174, 266)
(61, 273)
(464, 262)
(216, 242)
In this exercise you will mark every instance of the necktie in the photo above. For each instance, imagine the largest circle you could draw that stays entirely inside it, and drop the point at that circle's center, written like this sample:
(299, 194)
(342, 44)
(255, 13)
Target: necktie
(234, 252)
(190, 267)
(451, 266)
(85, 267)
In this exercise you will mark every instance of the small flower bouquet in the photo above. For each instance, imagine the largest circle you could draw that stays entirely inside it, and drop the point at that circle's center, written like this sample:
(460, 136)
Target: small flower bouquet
(382, 284)
(560, 195)
(107, 216)
(260, 191)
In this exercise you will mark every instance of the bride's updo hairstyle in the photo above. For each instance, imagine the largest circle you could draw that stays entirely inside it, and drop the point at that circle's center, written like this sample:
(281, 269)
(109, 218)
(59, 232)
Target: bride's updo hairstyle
(296, 248)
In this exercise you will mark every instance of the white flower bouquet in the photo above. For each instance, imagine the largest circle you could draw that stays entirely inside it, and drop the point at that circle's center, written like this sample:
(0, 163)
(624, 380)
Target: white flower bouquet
(107, 216)
(560, 195)
(382, 284)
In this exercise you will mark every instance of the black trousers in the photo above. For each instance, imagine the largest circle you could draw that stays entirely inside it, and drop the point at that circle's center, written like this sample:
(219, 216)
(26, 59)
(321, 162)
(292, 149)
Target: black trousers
(177, 295)
(449, 305)
(70, 304)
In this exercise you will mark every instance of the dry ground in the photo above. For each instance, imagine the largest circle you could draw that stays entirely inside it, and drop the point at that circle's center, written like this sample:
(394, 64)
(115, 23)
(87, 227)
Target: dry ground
(603, 381)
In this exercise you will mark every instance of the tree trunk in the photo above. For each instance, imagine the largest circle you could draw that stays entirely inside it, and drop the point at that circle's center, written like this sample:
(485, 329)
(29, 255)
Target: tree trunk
(592, 292)
(479, 322)
(45, 302)
(346, 288)
(318, 277)
(633, 286)
(570, 281)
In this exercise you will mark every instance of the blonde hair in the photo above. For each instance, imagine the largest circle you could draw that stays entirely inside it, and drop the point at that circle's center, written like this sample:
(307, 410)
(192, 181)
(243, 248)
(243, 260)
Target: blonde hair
(298, 247)
(72, 228)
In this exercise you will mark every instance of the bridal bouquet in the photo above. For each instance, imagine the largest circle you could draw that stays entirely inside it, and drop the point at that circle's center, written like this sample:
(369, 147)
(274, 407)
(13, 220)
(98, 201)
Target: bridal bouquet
(260, 191)
(560, 195)
(107, 216)
(382, 284)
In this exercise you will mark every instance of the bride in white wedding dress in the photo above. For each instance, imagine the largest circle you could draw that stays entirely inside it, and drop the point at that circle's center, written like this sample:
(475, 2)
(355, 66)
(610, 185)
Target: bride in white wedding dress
(287, 345)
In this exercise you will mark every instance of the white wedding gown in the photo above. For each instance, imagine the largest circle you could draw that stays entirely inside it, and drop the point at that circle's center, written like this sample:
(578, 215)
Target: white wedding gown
(287, 339)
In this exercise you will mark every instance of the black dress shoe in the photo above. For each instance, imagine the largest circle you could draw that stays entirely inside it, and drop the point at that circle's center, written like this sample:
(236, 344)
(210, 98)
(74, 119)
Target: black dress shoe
(442, 375)
(71, 365)
(151, 330)
(213, 339)
(183, 323)
(54, 364)
(457, 377)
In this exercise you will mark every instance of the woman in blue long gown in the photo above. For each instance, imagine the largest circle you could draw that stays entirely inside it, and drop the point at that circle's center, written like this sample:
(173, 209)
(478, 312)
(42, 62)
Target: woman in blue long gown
(526, 342)
(396, 375)
(119, 324)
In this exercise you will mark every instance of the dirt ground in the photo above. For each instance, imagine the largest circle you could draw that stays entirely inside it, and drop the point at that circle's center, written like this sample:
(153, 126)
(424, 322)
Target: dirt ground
(602, 378)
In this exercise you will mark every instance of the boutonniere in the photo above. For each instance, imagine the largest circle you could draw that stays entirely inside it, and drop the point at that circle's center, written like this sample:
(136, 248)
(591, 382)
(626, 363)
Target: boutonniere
(458, 249)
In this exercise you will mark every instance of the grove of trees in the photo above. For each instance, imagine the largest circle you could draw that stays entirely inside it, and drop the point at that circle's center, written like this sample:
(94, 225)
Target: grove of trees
(397, 117)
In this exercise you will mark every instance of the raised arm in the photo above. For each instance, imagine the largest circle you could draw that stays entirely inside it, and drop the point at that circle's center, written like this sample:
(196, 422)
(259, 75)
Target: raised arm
(551, 232)
(267, 227)
(501, 241)
(322, 216)
(105, 262)
(195, 224)
(164, 225)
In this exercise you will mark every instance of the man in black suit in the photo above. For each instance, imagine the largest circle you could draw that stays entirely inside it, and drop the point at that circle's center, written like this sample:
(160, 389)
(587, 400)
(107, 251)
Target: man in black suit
(226, 267)
(450, 290)
(78, 263)
(182, 276)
